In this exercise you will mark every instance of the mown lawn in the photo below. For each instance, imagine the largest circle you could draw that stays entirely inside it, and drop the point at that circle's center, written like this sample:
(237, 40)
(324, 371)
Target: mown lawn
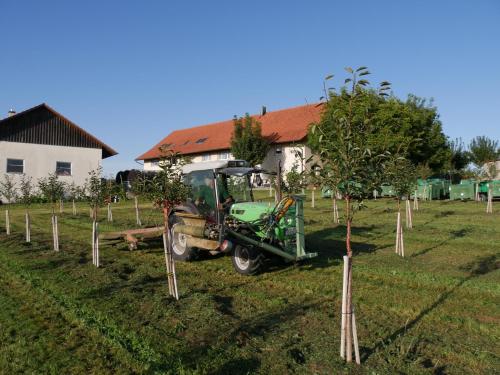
(434, 312)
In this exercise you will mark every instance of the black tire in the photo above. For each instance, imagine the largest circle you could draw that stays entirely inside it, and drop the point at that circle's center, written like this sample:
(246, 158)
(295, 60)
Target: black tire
(180, 250)
(247, 260)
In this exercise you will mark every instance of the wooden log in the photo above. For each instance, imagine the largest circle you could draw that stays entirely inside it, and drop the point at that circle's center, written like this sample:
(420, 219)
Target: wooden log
(7, 222)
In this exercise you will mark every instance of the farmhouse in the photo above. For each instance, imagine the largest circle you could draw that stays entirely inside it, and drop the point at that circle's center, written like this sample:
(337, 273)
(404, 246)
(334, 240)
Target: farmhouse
(40, 141)
(287, 128)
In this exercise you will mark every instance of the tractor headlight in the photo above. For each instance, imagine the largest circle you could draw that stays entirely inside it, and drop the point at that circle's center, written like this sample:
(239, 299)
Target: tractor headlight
(290, 221)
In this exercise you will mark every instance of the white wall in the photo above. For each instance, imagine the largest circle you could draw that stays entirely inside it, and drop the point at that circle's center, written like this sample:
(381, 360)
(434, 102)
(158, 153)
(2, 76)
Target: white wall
(288, 158)
(40, 160)
(150, 165)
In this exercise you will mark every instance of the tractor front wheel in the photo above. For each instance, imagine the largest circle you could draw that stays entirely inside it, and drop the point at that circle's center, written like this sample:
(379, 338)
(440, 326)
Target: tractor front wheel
(180, 250)
(247, 260)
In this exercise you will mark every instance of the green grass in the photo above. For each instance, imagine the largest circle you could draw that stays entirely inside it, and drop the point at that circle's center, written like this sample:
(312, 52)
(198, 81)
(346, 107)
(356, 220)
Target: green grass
(434, 312)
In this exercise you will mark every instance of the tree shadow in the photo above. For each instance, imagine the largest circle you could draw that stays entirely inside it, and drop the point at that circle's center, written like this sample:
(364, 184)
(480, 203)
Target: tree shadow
(453, 235)
(241, 335)
(475, 269)
(330, 245)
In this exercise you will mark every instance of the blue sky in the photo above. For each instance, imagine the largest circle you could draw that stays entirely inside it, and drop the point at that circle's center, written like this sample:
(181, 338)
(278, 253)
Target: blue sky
(130, 72)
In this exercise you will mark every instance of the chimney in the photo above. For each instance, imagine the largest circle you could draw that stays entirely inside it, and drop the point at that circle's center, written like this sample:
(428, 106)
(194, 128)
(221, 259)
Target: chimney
(264, 110)
(11, 113)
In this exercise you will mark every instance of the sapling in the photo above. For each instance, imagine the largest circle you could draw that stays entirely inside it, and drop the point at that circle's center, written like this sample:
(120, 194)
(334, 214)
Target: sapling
(52, 190)
(401, 175)
(345, 139)
(166, 190)
(8, 189)
(95, 194)
(75, 193)
(26, 198)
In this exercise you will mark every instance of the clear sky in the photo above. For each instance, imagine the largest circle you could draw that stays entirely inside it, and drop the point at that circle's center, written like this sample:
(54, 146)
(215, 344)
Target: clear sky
(130, 72)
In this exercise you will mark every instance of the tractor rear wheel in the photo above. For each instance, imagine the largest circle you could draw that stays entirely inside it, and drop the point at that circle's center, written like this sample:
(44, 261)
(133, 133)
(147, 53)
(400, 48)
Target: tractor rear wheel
(247, 260)
(180, 250)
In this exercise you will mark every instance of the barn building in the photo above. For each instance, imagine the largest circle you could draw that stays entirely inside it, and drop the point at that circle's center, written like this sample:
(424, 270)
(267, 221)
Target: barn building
(39, 141)
(287, 128)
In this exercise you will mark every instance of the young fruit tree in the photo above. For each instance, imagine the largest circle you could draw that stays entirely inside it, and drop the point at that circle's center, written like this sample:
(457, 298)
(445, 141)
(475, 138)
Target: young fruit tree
(96, 192)
(75, 193)
(401, 175)
(166, 190)
(8, 190)
(345, 139)
(53, 191)
(26, 189)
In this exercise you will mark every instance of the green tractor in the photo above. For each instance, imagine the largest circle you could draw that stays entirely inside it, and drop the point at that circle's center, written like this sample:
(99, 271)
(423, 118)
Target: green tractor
(221, 217)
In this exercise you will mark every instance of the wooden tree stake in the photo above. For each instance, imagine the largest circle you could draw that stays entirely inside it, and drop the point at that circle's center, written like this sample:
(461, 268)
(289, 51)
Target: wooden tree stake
(7, 222)
(415, 201)
(28, 226)
(489, 205)
(55, 232)
(170, 264)
(399, 237)
(110, 213)
(409, 216)
(312, 197)
(74, 207)
(137, 217)
(95, 243)
(344, 307)
(355, 338)
(61, 206)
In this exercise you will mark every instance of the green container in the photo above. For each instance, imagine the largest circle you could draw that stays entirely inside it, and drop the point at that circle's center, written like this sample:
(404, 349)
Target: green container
(462, 191)
(326, 192)
(387, 191)
(494, 185)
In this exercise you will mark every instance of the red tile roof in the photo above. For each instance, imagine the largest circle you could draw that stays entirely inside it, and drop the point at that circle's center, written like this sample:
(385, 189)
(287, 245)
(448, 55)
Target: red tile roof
(286, 125)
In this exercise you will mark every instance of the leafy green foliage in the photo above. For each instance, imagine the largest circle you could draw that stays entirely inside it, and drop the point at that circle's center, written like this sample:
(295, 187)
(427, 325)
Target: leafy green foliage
(402, 175)
(347, 139)
(482, 150)
(247, 142)
(459, 158)
(411, 127)
(75, 192)
(51, 188)
(26, 190)
(8, 188)
(294, 180)
(166, 189)
(96, 190)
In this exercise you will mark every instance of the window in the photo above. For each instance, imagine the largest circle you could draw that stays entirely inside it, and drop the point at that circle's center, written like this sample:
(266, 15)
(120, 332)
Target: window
(15, 166)
(224, 156)
(63, 168)
(205, 157)
(201, 140)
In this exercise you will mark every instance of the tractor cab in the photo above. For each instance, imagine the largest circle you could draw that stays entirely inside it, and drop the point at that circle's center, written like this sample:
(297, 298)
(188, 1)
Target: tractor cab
(216, 186)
